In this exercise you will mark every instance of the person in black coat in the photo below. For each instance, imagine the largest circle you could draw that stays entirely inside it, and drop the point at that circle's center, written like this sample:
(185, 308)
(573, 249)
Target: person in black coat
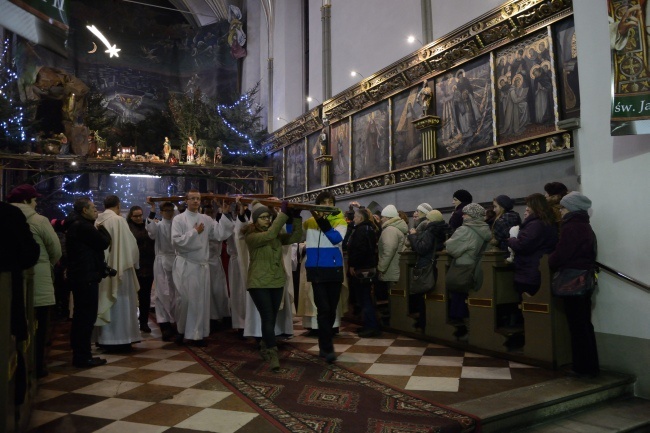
(426, 244)
(460, 199)
(85, 246)
(577, 249)
(147, 255)
(362, 254)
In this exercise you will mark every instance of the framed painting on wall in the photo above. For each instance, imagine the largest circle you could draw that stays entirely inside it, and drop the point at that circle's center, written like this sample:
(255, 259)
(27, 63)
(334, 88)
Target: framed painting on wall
(464, 105)
(340, 151)
(370, 141)
(295, 168)
(407, 141)
(567, 69)
(525, 89)
(313, 167)
(277, 160)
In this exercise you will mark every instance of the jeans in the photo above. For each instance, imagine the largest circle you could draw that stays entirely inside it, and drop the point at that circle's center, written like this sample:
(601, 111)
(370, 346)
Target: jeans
(583, 339)
(326, 298)
(267, 302)
(86, 296)
(367, 301)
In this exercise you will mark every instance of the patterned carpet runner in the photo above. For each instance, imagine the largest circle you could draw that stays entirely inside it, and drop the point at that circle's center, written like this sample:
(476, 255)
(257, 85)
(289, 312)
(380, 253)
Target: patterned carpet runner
(310, 395)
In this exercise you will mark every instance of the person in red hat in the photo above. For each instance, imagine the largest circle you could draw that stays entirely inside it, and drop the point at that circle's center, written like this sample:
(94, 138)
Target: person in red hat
(39, 281)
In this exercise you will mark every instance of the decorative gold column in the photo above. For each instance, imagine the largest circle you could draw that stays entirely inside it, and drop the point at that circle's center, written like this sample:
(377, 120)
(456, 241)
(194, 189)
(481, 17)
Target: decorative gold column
(268, 185)
(324, 161)
(427, 126)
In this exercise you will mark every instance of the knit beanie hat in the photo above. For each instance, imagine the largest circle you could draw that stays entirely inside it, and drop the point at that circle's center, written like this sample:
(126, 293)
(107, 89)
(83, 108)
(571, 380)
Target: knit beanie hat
(434, 216)
(424, 208)
(505, 202)
(389, 211)
(258, 209)
(555, 188)
(22, 193)
(574, 201)
(474, 210)
(463, 196)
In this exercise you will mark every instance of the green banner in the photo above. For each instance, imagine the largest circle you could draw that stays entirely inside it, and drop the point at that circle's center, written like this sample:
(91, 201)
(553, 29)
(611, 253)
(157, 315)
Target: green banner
(56, 10)
(631, 107)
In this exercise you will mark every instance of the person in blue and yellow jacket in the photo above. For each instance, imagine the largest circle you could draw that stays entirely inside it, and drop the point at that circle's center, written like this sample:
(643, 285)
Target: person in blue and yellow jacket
(324, 266)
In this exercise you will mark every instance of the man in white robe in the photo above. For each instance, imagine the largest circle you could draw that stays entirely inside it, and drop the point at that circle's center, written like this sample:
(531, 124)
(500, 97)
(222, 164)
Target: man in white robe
(165, 301)
(117, 323)
(219, 299)
(191, 235)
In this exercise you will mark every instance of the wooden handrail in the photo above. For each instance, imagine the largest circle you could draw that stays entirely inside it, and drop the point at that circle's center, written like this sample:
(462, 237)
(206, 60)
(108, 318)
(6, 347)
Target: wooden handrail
(627, 278)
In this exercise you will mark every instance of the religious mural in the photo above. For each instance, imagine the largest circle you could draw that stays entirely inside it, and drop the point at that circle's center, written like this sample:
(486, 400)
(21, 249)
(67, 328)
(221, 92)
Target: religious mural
(313, 167)
(278, 177)
(567, 69)
(464, 105)
(295, 172)
(407, 148)
(340, 151)
(525, 89)
(370, 141)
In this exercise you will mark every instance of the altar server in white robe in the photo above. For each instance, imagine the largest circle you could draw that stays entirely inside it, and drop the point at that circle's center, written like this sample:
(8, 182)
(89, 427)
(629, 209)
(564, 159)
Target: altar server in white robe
(117, 323)
(284, 320)
(165, 301)
(191, 235)
(219, 299)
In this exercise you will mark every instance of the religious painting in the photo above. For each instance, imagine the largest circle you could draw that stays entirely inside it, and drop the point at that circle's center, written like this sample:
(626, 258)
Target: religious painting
(276, 164)
(464, 105)
(526, 90)
(629, 42)
(567, 69)
(370, 139)
(407, 142)
(340, 151)
(295, 169)
(313, 167)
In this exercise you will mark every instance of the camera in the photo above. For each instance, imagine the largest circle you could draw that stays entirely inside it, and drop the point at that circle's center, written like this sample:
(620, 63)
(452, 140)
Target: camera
(108, 271)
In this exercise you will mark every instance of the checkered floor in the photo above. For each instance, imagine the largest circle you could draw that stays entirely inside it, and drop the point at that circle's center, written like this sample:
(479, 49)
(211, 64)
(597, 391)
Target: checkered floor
(159, 387)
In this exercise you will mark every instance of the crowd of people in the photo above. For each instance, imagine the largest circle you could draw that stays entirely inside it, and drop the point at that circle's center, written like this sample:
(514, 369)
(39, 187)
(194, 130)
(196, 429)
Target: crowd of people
(210, 264)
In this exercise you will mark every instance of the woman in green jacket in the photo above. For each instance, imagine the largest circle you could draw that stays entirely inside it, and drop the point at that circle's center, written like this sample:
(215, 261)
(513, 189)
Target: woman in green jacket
(266, 275)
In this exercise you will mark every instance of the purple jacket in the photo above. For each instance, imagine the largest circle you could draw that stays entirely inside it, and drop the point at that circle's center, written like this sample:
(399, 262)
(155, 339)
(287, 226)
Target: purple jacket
(576, 248)
(534, 240)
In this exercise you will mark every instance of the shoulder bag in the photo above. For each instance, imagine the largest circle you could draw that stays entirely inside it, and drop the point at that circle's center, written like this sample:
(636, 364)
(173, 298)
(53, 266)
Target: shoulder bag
(573, 282)
(460, 278)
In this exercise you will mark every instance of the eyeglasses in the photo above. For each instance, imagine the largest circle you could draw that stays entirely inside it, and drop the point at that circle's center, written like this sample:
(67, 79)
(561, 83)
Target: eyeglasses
(265, 217)
(136, 216)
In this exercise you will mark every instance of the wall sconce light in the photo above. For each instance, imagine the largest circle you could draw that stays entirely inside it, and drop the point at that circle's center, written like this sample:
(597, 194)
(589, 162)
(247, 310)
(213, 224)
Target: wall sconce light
(310, 99)
(355, 73)
(282, 118)
(411, 39)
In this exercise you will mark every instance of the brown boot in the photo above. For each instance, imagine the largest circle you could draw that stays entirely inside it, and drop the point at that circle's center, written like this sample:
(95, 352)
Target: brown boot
(274, 359)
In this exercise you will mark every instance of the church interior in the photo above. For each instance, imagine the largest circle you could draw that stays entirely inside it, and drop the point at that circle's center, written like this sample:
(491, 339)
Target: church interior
(382, 105)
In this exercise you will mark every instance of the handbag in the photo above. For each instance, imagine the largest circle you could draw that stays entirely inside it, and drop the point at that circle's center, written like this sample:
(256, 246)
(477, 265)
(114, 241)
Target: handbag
(365, 276)
(460, 278)
(422, 279)
(573, 282)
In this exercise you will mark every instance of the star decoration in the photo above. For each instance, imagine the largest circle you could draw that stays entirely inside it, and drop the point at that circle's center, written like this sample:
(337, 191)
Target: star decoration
(112, 50)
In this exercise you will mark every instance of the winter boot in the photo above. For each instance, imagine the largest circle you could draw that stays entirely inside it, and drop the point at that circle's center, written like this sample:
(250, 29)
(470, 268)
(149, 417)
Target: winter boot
(264, 353)
(274, 360)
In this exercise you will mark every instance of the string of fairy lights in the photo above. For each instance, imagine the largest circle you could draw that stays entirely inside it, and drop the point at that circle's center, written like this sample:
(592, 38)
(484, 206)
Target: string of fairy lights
(12, 127)
(243, 99)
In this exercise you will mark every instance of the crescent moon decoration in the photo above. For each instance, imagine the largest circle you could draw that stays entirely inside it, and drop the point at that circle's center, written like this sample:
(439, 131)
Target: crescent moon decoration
(94, 48)
(112, 49)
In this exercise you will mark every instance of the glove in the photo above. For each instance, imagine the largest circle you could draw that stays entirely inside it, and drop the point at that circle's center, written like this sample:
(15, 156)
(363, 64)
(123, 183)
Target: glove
(324, 224)
(284, 208)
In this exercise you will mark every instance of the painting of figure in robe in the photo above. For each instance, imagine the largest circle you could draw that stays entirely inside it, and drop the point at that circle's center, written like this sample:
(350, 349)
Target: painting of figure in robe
(340, 151)
(569, 86)
(464, 105)
(407, 142)
(295, 168)
(370, 141)
(526, 89)
(313, 167)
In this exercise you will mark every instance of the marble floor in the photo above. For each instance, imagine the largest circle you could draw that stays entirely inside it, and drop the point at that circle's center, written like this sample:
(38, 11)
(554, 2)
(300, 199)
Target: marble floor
(159, 387)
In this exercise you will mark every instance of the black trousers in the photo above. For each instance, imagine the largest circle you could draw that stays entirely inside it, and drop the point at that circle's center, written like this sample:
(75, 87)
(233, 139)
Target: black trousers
(267, 302)
(583, 338)
(86, 297)
(326, 298)
(144, 298)
(42, 316)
